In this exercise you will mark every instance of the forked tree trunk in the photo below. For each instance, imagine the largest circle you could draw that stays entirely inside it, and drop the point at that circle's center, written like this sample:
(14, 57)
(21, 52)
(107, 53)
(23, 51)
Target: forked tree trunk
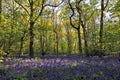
(83, 26)
(76, 27)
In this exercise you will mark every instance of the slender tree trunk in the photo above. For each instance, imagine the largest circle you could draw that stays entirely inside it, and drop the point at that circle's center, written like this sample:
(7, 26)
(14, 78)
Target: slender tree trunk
(76, 27)
(94, 44)
(53, 20)
(21, 46)
(22, 43)
(101, 24)
(103, 7)
(56, 39)
(83, 26)
(11, 40)
(41, 43)
(85, 41)
(1, 44)
(79, 41)
(56, 44)
(69, 41)
(31, 23)
(31, 54)
(0, 10)
(69, 46)
(85, 37)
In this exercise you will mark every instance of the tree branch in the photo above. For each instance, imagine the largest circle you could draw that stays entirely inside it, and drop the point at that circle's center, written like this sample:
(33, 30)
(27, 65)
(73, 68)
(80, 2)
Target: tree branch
(40, 11)
(90, 15)
(43, 6)
(106, 4)
(53, 5)
(22, 7)
(71, 15)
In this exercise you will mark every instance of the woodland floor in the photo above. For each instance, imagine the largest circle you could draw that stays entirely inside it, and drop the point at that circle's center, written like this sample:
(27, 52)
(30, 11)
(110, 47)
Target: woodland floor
(60, 68)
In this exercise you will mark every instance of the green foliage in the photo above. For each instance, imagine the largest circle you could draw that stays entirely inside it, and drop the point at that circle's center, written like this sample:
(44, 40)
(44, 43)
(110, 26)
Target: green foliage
(2, 53)
(93, 2)
(64, 46)
(15, 22)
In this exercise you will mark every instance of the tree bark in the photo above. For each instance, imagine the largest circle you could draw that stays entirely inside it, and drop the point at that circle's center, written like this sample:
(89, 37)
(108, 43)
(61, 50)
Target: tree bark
(76, 27)
(31, 23)
(22, 43)
(0, 10)
(69, 43)
(56, 44)
(85, 41)
(31, 54)
(81, 23)
(11, 37)
(101, 24)
(79, 41)
(21, 46)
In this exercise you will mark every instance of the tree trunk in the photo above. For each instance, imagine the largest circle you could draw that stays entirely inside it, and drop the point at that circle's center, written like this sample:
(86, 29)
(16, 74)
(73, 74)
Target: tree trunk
(21, 44)
(31, 54)
(101, 24)
(11, 40)
(76, 27)
(56, 43)
(31, 23)
(69, 41)
(85, 37)
(0, 10)
(79, 41)
(41, 46)
(85, 41)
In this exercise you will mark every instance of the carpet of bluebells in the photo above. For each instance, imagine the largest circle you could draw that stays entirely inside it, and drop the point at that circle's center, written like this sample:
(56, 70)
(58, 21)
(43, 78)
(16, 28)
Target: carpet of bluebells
(60, 68)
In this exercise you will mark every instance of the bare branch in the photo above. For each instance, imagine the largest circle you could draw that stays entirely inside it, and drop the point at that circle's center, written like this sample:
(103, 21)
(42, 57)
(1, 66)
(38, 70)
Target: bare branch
(91, 15)
(43, 6)
(40, 11)
(71, 15)
(53, 5)
(106, 4)
(22, 7)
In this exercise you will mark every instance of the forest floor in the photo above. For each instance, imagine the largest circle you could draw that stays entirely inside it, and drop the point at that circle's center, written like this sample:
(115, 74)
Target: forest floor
(60, 68)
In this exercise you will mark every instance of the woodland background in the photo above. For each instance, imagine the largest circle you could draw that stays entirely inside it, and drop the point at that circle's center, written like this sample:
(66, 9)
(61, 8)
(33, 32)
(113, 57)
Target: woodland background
(57, 27)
